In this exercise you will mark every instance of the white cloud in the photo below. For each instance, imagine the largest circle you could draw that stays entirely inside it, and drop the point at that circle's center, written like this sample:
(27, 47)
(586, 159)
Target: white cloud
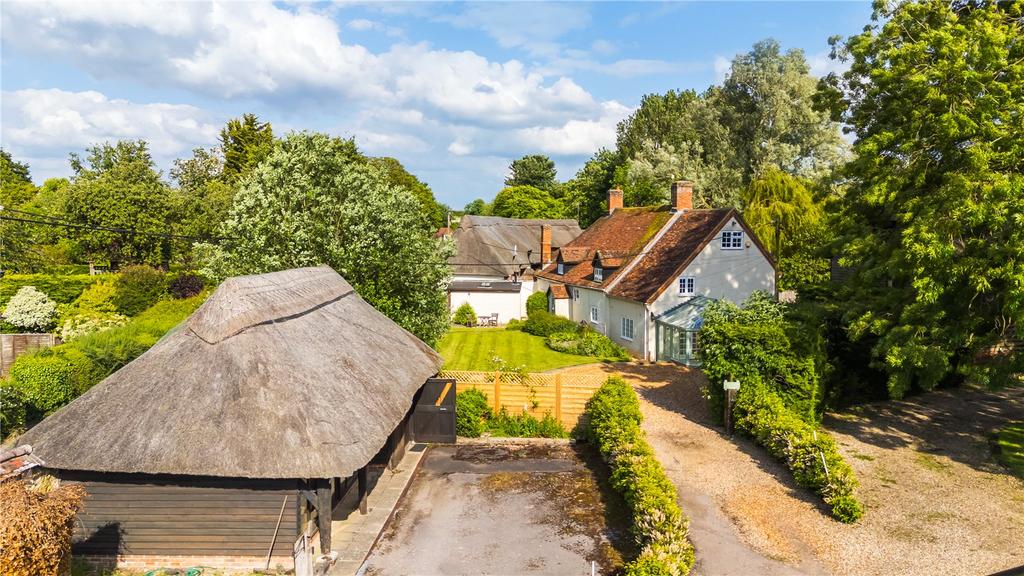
(39, 122)
(722, 67)
(533, 26)
(576, 137)
(365, 25)
(821, 65)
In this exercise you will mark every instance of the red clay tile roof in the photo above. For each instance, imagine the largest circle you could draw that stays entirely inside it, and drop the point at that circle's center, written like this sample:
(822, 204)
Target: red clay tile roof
(626, 231)
(612, 258)
(675, 249)
(559, 291)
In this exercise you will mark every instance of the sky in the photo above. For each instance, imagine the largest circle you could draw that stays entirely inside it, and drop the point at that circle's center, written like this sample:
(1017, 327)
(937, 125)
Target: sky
(455, 91)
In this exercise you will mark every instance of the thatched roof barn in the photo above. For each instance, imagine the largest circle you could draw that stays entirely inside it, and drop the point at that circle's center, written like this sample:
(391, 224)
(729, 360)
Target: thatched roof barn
(288, 376)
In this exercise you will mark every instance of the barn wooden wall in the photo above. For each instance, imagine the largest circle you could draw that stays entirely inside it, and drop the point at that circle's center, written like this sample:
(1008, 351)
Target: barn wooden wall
(168, 515)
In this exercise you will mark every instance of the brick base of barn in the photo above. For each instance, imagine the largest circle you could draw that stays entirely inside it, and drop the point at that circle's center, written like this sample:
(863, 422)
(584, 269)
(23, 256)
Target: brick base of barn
(226, 564)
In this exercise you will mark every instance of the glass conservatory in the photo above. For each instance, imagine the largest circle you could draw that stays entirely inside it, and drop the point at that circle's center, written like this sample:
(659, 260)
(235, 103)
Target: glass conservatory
(676, 331)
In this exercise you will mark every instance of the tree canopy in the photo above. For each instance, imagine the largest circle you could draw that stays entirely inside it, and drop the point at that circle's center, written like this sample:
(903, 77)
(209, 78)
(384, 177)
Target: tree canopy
(244, 142)
(933, 221)
(315, 201)
(535, 170)
(526, 202)
(16, 185)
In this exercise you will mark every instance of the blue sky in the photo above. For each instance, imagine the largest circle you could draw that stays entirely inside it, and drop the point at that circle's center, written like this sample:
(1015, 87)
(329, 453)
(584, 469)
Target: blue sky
(453, 90)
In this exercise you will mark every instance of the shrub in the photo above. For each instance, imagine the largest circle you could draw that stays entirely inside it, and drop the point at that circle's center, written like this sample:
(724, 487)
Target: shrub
(36, 527)
(809, 453)
(12, 409)
(525, 425)
(51, 378)
(98, 297)
(31, 310)
(536, 302)
(471, 412)
(138, 288)
(586, 342)
(62, 289)
(514, 324)
(81, 324)
(186, 285)
(465, 315)
(546, 324)
(659, 525)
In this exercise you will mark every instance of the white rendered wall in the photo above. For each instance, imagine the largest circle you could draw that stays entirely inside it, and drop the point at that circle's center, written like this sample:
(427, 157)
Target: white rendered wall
(508, 305)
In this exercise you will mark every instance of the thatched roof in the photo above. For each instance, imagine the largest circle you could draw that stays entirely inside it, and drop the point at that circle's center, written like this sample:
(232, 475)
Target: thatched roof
(282, 375)
(495, 246)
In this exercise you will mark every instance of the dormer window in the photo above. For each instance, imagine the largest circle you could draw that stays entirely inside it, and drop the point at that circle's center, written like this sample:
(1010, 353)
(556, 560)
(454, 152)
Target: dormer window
(560, 268)
(732, 239)
(598, 274)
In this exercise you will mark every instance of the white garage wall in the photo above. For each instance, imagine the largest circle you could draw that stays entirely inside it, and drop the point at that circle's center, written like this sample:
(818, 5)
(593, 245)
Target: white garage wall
(508, 305)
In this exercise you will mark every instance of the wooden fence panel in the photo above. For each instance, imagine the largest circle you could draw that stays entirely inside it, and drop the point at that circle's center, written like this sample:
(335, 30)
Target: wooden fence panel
(564, 396)
(14, 345)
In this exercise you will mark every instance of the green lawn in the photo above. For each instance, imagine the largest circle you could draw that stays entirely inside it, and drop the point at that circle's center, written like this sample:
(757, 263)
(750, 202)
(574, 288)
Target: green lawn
(473, 349)
(1011, 447)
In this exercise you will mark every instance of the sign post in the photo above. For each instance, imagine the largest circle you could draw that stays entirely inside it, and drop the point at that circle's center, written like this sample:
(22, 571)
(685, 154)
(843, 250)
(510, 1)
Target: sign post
(730, 387)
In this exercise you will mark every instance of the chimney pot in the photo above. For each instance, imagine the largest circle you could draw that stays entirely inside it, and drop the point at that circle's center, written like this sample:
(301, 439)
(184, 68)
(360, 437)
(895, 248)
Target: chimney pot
(614, 199)
(545, 244)
(682, 196)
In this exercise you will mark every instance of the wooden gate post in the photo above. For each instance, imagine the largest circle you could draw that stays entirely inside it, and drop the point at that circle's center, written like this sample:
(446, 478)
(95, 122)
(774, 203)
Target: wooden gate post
(558, 398)
(497, 392)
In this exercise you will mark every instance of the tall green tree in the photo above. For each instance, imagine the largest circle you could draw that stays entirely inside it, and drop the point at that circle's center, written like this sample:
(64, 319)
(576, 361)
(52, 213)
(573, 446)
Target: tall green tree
(314, 201)
(16, 186)
(586, 195)
(477, 207)
(433, 212)
(245, 142)
(204, 194)
(526, 202)
(768, 102)
(534, 170)
(118, 186)
(934, 215)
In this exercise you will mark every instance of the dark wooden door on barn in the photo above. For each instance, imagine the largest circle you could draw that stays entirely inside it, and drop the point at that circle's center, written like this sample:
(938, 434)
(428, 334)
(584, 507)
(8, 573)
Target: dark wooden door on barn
(433, 419)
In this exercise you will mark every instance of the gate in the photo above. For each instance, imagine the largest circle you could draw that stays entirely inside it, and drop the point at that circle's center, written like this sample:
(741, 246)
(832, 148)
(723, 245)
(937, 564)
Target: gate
(433, 419)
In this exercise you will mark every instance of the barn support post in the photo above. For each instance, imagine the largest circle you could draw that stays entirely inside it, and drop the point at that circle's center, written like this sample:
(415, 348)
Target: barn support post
(363, 484)
(323, 513)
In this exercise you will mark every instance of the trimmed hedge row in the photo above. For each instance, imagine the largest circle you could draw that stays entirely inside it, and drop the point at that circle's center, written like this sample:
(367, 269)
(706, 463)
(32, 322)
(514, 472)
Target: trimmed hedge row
(473, 417)
(48, 379)
(60, 289)
(809, 453)
(543, 323)
(659, 525)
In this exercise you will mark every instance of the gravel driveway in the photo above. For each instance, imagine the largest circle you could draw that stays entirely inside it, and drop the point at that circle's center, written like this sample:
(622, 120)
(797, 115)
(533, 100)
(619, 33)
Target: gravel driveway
(936, 501)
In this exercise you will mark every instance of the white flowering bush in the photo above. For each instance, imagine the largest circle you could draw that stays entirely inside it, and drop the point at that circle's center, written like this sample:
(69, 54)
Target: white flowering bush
(31, 310)
(82, 324)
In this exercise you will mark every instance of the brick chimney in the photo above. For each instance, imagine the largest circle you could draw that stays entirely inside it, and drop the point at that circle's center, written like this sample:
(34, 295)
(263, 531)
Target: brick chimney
(614, 199)
(682, 196)
(545, 245)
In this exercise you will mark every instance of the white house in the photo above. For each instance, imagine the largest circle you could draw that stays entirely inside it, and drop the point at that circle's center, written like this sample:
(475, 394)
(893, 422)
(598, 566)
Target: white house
(642, 276)
(495, 260)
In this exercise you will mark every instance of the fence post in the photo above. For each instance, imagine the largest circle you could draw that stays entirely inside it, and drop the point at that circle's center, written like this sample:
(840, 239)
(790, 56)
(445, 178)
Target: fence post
(558, 397)
(497, 392)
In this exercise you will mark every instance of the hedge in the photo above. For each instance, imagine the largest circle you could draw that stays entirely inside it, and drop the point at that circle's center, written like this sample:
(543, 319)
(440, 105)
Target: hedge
(545, 324)
(585, 341)
(536, 302)
(60, 289)
(50, 378)
(473, 417)
(659, 526)
(810, 453)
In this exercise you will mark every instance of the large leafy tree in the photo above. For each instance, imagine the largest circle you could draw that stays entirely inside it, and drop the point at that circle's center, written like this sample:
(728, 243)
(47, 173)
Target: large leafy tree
(433, 212)
(118, 186)
(314, 201)
(204, 194)
(477, 207)
(586, 195)
(16, 185)
(535, 170)
(526, 202)
(767, 101)
(934, 216)
(784, 215)
(244, 142)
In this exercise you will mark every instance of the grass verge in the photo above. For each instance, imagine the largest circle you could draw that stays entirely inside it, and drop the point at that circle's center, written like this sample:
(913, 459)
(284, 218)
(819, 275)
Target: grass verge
(1010, 445)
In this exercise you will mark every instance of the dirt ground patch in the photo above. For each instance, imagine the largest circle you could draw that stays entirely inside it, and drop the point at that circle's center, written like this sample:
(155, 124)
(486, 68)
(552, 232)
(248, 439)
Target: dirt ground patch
(936, 500)
(530, 508)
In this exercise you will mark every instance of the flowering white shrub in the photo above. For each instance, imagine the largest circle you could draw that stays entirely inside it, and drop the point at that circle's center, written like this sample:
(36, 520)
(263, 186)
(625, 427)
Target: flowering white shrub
(30, 310)
(82, 324)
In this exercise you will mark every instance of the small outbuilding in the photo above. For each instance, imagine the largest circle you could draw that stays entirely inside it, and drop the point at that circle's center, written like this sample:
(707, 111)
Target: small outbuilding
(229, 442)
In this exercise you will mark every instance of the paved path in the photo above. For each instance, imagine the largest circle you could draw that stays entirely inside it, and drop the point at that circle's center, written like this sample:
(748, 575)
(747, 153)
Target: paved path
(353, 534)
